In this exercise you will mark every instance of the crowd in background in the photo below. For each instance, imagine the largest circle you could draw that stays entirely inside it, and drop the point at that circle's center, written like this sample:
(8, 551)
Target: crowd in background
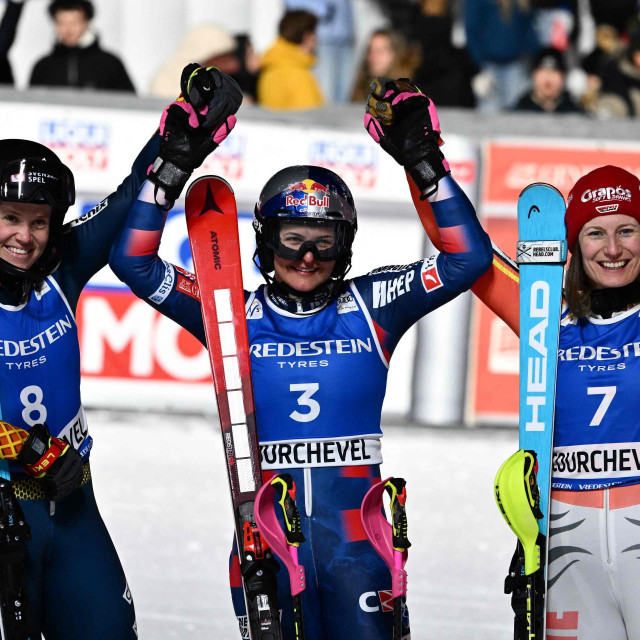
(491, 55)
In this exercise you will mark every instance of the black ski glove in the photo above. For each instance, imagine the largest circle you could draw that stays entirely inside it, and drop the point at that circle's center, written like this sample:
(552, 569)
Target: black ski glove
(52, 460)
(193, 126)
(405, 124)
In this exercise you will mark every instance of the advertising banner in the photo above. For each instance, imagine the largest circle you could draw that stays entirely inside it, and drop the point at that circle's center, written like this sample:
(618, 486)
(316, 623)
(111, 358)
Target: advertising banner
(131, 356)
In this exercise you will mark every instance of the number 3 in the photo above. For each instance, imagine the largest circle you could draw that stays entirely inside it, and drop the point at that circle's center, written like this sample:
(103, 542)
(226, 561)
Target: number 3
(305, 400)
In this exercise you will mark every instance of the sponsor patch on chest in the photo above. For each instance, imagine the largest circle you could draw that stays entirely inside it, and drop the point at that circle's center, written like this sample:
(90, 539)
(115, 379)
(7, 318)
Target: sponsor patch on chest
(346, 303)
(255, 311)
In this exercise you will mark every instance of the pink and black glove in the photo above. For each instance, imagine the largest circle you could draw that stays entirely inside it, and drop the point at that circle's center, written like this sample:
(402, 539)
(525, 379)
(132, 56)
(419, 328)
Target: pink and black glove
(193, 126)
(405, 123)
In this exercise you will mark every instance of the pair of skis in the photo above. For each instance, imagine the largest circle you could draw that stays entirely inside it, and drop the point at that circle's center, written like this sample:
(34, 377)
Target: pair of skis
(523, 482)
(213, 234)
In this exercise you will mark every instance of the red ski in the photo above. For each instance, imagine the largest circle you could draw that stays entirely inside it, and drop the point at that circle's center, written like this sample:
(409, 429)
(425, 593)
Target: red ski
(212, 223)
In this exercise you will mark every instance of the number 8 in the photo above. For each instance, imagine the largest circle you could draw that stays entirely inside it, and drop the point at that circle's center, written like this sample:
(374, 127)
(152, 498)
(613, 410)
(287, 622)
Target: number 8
(36, 405)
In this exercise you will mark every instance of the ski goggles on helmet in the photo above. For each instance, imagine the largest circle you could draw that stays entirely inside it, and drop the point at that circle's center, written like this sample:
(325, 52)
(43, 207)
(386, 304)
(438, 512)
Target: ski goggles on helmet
(292, 238)
(34, 180)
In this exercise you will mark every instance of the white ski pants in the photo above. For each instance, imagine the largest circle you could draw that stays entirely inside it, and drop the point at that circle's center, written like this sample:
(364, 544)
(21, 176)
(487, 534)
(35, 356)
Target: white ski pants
(594, 565)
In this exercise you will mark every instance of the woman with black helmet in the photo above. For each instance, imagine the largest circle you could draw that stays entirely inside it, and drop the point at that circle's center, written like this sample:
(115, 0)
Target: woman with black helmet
(320, 348)
(76, 586)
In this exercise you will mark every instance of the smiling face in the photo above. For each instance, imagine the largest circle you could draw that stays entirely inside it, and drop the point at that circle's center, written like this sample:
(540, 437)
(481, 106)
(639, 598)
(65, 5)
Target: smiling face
(24, 232)
(306, 274)
(610, 247)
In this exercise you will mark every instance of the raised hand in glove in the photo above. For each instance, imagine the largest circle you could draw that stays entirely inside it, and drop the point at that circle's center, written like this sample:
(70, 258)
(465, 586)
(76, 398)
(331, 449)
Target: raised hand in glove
(56, 463)
(194, 125)
(405, 124)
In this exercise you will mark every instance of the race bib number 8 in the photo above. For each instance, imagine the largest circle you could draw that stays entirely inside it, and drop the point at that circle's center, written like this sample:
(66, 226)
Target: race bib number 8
(34, 411)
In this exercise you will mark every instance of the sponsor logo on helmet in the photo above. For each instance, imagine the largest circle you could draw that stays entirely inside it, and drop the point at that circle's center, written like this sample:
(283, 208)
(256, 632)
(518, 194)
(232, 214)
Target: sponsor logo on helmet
(607, 208)
(33, 176)
(606, 193)
(314, 195)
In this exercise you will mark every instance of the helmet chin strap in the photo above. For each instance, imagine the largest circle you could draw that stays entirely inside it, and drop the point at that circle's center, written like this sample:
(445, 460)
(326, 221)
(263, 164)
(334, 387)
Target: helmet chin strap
(301, 302)
(22, 281)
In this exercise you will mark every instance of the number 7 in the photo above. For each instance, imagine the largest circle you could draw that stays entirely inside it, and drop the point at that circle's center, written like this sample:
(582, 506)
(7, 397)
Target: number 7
(608, 393)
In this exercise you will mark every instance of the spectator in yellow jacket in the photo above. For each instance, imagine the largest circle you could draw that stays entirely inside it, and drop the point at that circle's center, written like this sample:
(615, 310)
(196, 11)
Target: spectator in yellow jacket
(286, 81)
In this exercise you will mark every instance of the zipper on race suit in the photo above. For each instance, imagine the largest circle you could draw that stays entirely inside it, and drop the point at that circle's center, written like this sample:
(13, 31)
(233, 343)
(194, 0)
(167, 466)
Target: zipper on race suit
(308, 493)
(606, 523)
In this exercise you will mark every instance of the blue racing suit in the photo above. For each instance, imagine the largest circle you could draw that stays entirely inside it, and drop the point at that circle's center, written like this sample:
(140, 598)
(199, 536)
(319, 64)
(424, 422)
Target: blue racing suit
(319, 381)
(77, 588)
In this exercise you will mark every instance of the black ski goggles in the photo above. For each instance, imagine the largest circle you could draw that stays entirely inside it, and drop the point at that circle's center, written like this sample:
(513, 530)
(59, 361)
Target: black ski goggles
(291, 239)
(33, 180)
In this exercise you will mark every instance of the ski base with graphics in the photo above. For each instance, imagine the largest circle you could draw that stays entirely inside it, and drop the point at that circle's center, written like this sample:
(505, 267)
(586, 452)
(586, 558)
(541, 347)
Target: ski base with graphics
(523, 482)
(213, 234)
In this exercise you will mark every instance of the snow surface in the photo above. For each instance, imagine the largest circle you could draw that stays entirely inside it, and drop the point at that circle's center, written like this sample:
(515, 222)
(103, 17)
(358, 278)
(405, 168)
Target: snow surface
(162, 490)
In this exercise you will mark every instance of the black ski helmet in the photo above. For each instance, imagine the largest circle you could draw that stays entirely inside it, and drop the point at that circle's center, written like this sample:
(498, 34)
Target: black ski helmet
(309, 195)
(32, 173)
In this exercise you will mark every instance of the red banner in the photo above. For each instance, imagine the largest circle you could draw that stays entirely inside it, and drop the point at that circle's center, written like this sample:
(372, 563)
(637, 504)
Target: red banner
(123, 337)
(509, 167)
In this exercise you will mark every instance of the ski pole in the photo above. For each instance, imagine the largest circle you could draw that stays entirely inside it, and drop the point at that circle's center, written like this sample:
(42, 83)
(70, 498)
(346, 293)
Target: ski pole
(389, 540)
(397, 490)
(518, 498)
(285, 543)
(14, 535)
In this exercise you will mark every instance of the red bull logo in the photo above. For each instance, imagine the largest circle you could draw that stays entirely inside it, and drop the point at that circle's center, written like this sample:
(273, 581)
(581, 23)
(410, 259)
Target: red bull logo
(314, 195)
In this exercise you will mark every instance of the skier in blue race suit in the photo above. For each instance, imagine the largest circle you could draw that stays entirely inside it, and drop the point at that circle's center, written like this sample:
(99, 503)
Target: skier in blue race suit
(320, 348)
(593, 576)
(76, 586)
